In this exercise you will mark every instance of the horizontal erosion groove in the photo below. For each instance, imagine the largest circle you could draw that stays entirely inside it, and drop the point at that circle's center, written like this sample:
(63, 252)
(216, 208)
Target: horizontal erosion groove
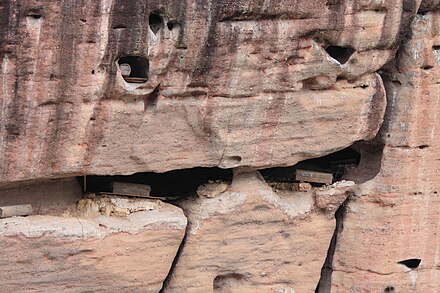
(170, 185)
(337, 164)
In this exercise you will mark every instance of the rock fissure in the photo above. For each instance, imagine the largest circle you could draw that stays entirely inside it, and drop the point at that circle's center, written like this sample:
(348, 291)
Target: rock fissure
(325, 282)
(169, 276)
(146, 87)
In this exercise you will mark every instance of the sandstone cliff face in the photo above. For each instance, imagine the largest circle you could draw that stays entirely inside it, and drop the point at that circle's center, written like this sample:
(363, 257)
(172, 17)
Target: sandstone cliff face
(396, 213)
(241, 84)
(238, 83)
(251, 239)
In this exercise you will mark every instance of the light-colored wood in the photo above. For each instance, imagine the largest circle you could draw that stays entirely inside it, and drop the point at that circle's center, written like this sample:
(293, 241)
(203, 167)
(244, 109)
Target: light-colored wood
(131, 189)
(15, 211)
(313, 177)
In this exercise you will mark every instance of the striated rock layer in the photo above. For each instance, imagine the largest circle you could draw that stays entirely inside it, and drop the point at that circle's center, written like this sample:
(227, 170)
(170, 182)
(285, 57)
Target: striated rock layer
(241, 84)
(230, 83)
(395, 217)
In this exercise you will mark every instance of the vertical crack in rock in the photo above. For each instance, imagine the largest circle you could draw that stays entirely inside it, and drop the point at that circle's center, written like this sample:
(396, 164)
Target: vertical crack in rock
(325, 282)
(176, 258)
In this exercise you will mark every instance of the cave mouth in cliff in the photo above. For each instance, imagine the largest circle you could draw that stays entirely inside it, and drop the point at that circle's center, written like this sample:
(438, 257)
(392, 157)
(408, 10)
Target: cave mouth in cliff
(222, 283)
(389, 289)
(340, 54)
(134, 69)
(338, 164)
(173, 184)
(155, 22)
(412, 263)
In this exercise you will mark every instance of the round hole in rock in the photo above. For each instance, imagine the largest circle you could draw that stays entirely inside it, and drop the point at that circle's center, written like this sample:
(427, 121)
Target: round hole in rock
(155, 22)
(340, 54)
(389, 289)
(412, 263)
(172, 24)
(34, 15)
(224, 283)
(232, 161)
(134, 69)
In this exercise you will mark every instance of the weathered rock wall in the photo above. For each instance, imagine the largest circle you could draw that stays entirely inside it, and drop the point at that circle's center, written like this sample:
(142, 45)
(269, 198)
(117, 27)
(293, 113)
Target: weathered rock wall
(92, 254)
(237, 84)
(395, 216)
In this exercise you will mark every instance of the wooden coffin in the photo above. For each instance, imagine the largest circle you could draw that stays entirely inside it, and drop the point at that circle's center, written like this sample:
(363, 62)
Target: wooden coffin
(313, 177)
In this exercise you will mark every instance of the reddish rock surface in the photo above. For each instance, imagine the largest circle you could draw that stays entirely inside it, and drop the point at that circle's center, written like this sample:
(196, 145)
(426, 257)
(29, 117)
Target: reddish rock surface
(395, 217)
(251, 239)
(95, 254)
(242, 84)
(238, 83)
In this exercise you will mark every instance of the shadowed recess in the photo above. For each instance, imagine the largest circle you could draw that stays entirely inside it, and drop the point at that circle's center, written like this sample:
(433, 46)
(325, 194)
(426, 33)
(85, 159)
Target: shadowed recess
(134, 69)
(227, 282)
(340, 54)
(155, 22)
(180, 183)
(338, 163)
(412, 263)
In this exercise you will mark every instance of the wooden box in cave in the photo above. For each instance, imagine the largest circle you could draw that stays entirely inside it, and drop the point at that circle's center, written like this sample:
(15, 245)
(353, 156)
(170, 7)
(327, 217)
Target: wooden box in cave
(313, 177)
(131, 189)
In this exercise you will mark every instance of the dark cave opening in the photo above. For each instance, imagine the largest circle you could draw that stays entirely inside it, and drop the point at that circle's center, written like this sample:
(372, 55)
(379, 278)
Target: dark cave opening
(155, 22)
(134, 69)
(338, 164)
(178, 183)
(412, 263)
(340, 54)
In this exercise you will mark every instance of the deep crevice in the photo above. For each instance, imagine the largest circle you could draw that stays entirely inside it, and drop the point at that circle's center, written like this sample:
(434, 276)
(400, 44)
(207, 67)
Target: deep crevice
(168, 278)
(325, 282)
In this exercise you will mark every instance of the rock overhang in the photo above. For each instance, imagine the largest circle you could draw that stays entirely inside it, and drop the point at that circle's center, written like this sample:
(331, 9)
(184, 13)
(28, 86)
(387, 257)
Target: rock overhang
(233, 84)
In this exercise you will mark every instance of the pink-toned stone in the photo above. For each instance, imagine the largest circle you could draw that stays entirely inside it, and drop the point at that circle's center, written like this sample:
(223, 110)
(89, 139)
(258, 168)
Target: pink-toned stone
(395, 216)
(239, 83)
(99, 254)
(251, 239)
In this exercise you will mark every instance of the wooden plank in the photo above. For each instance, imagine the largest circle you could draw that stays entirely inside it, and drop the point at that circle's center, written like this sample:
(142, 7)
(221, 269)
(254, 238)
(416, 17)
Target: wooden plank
(131, 189)
(15, 211)
(136, 79)
(168, 197)
(313, 176)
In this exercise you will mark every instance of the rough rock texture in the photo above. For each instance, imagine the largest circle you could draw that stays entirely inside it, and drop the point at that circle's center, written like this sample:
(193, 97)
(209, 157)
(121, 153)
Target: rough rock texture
(244, 84)
(232, 83)
(251, 239)
(100, 254)
(395, 216)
